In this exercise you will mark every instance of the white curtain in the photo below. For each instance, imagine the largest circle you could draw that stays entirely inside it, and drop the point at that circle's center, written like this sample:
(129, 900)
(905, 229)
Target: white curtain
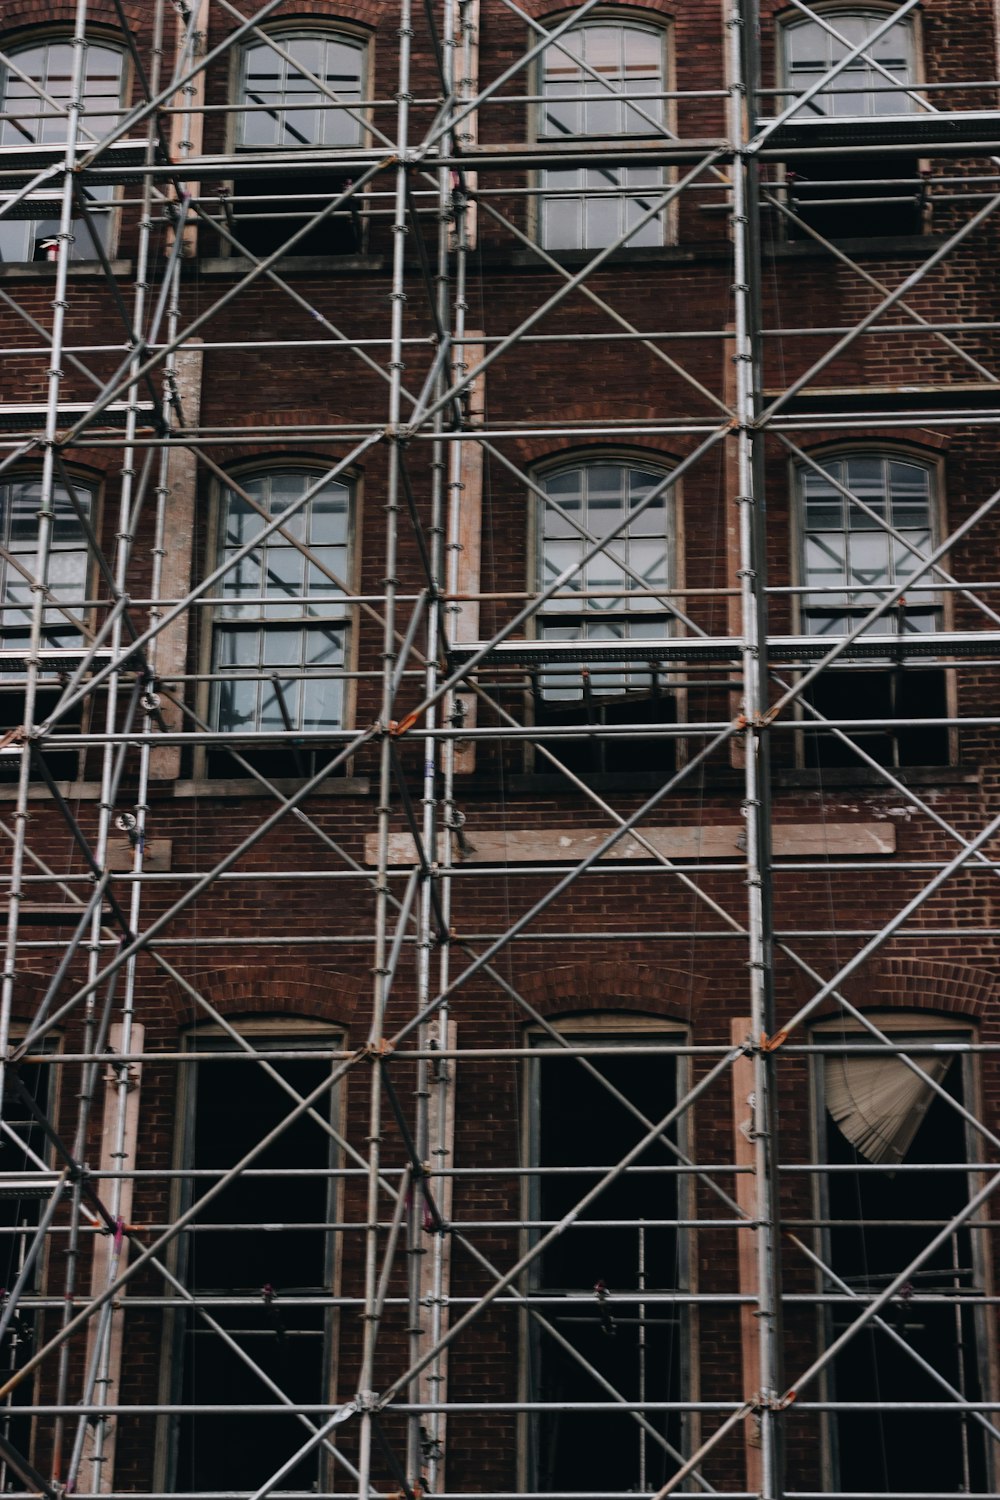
(878, 1102)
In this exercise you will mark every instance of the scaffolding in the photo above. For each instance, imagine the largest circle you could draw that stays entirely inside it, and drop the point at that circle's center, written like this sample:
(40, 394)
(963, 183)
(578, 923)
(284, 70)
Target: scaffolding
(418, 1160)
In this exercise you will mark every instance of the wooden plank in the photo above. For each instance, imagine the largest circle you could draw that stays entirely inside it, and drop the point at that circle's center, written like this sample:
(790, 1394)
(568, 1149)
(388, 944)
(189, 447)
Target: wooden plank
(433, 1380)
(111, 1256)
(746, 1249)
(714, 841)
(155, 855)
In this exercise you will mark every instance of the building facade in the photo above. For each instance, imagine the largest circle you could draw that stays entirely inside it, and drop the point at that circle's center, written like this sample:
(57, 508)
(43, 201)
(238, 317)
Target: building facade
(500, 520)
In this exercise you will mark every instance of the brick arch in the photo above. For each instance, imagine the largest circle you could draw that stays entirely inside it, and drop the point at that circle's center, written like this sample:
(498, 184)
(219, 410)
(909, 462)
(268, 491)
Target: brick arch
(299, 992)
(601, 987)
(24, 16)
(912, 984)
(914, 438)
(552, 13)
(532, 452)
(311, 12)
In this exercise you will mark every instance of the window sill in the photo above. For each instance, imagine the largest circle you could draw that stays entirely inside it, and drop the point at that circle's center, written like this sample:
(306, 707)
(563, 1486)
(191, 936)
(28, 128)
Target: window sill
(834, 776)
(45, 270)
(246, 786)
(901, 247)
(598, 781)
(288, 265)
(90, 791)
(656, 255)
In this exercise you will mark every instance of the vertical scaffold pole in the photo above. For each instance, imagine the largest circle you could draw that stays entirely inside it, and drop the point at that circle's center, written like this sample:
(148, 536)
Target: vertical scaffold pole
(396, 366)
(743, 48)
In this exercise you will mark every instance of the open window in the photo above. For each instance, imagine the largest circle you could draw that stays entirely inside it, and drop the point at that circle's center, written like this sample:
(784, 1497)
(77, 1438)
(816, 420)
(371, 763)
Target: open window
(274, 1290)
(36, 85)
(902, 1162)
(300, 91)
(856, 195)
(603, 79)
(611, 601)
(64, 580)
(866, 520)
(280, 641)
(25, 1190)
(607, 1286)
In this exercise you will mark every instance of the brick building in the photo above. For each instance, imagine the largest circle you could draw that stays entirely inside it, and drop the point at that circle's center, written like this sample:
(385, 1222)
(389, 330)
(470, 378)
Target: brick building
(500, 643)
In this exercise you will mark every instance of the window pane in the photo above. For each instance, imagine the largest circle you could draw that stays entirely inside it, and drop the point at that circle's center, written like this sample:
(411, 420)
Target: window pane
(304, 93)
(811, 49)
(616, 61)
(275, 584)
(860, 551)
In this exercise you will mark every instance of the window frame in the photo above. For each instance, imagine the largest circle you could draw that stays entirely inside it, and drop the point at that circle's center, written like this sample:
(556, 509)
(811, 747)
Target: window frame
(655, 23)
(915, 1027)
(353, 32)
(911, 23)
(935, 466)
(353, 479)
(285, 1033)
(52, 36)
(625, 1028)
(676, 577)
(13, 683)
(893, 166)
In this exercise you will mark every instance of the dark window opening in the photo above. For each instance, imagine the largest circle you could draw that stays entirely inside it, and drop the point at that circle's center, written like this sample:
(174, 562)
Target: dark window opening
(855, 197)
(19, 1216)
(283, 1280)
(881, 1221)
(613, 1271)
(279, 762)
(886, 694)
(63, 765)
(592, 709)
(267, 211)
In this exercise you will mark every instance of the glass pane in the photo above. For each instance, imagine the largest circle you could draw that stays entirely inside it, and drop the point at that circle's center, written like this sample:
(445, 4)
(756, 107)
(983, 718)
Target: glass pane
(304, 97)
(237, 705)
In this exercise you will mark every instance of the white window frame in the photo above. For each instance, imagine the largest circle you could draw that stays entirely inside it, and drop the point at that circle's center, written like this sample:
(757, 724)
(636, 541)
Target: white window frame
(334, 29)
(867, 100)
(627, 611)
(347, 612)
(87, 489)
(886, 454)
(103, 212)
(640, 21)
(284, 36)
(941, 602)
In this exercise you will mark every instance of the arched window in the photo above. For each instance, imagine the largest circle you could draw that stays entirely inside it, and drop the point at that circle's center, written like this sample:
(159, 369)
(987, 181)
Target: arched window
(610, 600)
(36, 85)
(65, 577)
(602, 79)
(301, 90)
(866, 522)
(873, 83)
(280, 640)
(282, 106)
